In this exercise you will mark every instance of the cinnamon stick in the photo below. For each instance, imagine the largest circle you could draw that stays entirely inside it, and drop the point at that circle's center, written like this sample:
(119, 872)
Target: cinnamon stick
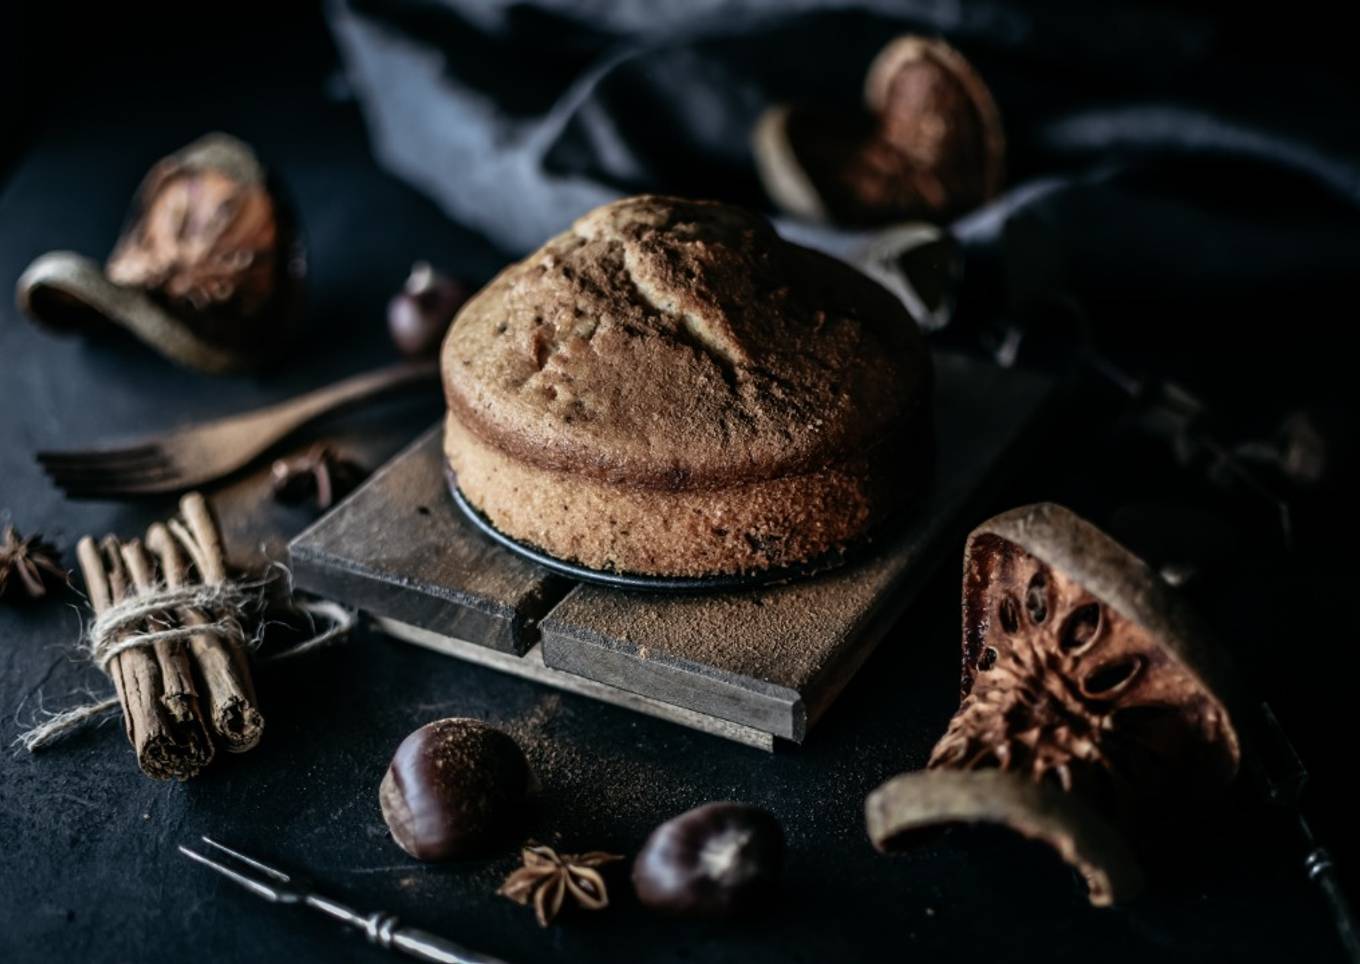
(223, 669)
(178, 694)
(136, 674)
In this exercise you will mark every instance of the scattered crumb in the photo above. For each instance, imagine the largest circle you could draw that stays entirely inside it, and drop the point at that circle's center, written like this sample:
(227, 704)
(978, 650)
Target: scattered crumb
(573, 778)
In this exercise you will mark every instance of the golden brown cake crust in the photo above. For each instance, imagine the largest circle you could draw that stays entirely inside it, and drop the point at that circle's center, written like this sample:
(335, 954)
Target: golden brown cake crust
(682, 344)
(677, 357)
(752, 526)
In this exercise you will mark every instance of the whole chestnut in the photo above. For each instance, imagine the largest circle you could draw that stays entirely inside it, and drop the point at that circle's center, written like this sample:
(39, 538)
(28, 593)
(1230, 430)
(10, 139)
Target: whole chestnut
(717, 860)
(420, 314)
(454, 788)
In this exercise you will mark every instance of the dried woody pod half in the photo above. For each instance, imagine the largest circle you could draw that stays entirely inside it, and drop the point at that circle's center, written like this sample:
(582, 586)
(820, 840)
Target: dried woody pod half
(1093, 704)
(928, 144)
(208, 270)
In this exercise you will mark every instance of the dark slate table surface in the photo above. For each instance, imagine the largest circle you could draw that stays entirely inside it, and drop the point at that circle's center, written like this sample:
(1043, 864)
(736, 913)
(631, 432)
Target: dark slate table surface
(88, 868)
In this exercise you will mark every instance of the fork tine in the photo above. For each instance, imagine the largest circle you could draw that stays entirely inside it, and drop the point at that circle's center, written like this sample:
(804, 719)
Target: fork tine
(116, 492)
(130, 453)
(95, 487)
(141, 463)
(257, 864)
(97, 473)
(257, 887)
(81, 471)
(56, 469)
(89, 468)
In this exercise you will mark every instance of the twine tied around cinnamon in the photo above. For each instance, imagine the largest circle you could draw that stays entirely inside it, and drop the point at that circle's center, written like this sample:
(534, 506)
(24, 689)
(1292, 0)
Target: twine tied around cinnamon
(102, 643)
(113, 631)
(149, 635)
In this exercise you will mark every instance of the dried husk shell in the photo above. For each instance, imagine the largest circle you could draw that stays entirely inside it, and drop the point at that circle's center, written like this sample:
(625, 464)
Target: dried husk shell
(1022, 751)
(924, 151)
(208, 270)
(912, 803)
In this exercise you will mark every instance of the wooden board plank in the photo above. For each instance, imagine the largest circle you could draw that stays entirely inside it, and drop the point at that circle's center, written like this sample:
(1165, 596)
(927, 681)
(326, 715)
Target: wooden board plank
(397, 548)
(531, 666)
(769, 660)
(775, 658)
(257, 526)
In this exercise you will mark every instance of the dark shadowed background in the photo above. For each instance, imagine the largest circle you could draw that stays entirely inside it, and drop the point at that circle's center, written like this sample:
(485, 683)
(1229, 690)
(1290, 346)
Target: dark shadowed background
(1200, 201)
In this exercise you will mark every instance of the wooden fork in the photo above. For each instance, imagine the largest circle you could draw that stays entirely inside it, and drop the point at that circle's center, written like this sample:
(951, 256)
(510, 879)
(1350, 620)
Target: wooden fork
(190, 457)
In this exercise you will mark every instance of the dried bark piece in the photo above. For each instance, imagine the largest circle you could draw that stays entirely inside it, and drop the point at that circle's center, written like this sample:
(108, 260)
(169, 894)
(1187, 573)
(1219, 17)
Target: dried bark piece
(1085, 677)
(914, 803)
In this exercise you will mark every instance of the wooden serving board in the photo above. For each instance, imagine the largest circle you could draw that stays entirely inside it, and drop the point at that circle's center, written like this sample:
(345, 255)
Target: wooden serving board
(747, 665)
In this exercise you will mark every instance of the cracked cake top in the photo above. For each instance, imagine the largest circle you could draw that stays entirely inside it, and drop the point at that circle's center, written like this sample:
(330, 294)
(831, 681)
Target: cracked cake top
(683, 344)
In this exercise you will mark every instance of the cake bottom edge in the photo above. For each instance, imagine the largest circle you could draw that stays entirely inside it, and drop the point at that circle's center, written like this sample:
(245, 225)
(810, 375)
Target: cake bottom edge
(745, 528)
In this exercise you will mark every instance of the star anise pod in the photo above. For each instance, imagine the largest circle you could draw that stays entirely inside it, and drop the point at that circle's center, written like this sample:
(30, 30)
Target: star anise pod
(28, 563)
(547, 877)
(318, 473)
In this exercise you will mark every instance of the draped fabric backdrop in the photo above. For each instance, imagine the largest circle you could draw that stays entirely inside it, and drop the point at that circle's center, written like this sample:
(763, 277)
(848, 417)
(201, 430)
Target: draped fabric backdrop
(1173, 168)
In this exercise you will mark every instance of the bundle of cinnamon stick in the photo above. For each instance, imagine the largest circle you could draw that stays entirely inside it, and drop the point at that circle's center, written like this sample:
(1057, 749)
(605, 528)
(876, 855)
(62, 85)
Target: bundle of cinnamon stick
(181, 674)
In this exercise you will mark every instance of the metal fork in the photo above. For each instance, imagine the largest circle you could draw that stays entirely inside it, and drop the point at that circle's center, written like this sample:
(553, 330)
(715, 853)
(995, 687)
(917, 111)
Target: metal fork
(189, 457)
(380, 928)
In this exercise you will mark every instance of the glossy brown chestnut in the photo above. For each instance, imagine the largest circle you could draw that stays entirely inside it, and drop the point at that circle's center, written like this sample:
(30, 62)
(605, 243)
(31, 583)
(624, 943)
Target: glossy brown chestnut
(717, 860)
(453, 789)
(420, 314)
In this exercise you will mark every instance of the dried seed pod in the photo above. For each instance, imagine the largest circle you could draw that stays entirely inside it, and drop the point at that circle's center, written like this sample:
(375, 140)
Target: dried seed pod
(29, 566)
(210, 238)
(546, 879)
(1083, 674)
(929, 144)
(320, 474)
(1082, 667)
(208, 270)
(935, 109)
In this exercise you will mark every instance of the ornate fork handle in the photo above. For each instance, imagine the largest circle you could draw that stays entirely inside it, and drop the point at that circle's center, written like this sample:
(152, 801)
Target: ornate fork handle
(384, 930)
(291, 415)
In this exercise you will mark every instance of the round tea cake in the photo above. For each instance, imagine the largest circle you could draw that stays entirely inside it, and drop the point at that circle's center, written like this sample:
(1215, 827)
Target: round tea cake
(670, 389)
